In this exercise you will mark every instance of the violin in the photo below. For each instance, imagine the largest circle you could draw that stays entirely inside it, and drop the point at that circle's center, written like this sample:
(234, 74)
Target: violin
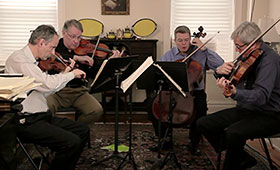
(244, 62)
(87, 47)
(54, 62)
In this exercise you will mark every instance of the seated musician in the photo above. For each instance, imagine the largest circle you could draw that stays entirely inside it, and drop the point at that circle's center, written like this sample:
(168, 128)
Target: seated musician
(76, 94)
(257, 113)
(36, 123)
(207, 59)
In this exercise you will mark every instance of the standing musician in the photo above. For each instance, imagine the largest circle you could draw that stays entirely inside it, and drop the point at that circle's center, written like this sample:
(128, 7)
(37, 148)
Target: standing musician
(76, 94)
(35, 123)
(257, 113)
(207, 59)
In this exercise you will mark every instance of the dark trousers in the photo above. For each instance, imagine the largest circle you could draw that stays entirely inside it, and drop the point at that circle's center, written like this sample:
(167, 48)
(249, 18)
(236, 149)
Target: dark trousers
(200, 107)
(230, 128)
(63, 136)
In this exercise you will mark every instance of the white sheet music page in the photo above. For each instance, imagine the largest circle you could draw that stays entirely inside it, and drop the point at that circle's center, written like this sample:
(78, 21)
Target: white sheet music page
(125, 84)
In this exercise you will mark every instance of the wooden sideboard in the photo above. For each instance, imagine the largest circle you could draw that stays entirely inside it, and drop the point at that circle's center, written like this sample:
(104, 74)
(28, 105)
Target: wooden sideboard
(143, 48)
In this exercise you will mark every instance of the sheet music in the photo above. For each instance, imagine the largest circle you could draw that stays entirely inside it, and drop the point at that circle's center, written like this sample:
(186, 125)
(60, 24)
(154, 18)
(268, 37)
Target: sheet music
(171, 80)
(10, 87)
(125, 84)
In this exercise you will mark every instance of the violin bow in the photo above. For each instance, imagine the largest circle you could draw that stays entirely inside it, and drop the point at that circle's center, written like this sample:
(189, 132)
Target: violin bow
(202, 45)
(96, 45)
(254, 41)
(60, 59)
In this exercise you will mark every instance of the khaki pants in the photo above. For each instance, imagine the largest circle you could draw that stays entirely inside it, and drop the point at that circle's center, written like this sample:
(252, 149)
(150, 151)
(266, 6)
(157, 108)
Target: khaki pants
(78, 98)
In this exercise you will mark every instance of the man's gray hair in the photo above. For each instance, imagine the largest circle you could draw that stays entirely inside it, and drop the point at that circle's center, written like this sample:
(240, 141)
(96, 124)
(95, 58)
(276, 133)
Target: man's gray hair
(72, 22)
(247, 32)
(45, 32)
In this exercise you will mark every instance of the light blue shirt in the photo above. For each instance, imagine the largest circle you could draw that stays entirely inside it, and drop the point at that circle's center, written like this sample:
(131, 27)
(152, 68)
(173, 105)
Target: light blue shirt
(208, 60)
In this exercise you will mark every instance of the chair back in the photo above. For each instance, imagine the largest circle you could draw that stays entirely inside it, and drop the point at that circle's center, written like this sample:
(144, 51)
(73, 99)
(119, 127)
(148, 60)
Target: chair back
(91, 27)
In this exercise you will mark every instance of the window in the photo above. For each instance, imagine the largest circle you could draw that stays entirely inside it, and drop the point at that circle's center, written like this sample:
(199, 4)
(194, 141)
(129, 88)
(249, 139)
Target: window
(213, 15)
(18, 18)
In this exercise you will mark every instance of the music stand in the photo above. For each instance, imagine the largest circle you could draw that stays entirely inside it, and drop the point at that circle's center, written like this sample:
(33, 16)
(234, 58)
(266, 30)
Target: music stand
(129, 154)
(113, 71)
(158, 81)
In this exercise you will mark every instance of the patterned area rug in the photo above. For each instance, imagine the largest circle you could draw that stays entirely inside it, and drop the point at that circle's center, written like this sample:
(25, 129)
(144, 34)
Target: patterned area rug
(142, 139)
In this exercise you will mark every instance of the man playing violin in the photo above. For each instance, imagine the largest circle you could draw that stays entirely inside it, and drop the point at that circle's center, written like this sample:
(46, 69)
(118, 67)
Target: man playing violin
(76, 94)
(207, 59)
(36, 123)
(257, 113)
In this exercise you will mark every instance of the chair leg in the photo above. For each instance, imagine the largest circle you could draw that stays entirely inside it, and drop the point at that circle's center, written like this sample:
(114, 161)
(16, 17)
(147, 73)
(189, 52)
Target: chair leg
(44, 157)
(219, 160)
(267, 154)
(27, 154)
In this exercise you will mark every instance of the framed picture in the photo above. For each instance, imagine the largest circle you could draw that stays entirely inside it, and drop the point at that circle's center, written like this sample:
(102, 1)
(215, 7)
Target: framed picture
(115, 7)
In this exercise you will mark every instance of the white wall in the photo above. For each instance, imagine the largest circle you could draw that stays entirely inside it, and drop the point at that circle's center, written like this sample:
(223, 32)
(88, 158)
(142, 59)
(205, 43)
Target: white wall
(158, 10)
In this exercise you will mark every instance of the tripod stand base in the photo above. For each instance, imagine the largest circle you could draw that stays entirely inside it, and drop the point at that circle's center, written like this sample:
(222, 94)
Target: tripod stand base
(172, 155)
(130, 157)
(160, 163)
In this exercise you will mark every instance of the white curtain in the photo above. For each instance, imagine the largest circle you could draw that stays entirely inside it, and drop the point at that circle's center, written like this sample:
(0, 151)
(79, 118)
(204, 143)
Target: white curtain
(18, 18)
(213, 16)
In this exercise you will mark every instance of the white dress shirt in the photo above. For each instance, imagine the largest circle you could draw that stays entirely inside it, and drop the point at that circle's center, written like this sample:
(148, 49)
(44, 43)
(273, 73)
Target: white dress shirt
(23, 61)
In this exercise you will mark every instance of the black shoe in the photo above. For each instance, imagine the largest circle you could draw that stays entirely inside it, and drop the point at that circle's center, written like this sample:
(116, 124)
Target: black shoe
(248, 162)
(166, 146)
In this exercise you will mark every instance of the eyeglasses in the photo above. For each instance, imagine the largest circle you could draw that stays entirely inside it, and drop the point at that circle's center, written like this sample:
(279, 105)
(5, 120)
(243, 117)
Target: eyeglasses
(74, 37)
(240, 46)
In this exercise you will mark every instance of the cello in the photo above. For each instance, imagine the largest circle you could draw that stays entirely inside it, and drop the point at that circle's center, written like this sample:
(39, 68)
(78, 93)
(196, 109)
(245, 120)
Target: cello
(183, 112)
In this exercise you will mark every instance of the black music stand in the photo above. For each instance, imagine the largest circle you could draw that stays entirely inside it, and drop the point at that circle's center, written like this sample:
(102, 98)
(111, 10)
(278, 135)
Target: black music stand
(158, 81)
(129, 154)
(113, 72)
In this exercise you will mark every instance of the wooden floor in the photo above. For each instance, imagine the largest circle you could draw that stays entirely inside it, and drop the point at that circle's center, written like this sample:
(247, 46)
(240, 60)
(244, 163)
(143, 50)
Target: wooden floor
(274, 153)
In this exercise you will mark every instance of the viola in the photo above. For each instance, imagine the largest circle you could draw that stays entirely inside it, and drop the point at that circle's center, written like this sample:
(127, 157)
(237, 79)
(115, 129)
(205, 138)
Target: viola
(242, 67)
(87, 47)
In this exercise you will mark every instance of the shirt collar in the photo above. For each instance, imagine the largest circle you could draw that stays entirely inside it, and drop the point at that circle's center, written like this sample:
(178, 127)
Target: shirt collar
(30, 56)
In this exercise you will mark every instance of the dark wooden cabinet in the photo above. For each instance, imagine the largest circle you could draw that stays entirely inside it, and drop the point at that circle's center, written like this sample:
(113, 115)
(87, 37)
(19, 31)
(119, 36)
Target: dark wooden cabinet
(143, 48)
